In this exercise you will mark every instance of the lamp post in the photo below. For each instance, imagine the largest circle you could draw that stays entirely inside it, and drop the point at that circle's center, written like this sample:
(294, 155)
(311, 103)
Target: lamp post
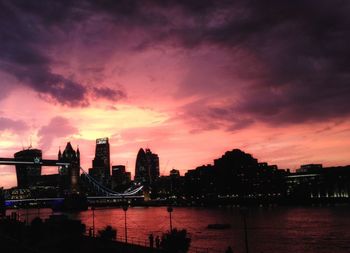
(93, 221)
(244, 212)
(125, 208)
(170, 209)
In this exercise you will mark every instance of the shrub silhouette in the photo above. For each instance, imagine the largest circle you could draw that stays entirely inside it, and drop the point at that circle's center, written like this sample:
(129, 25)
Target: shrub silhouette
(176, 241)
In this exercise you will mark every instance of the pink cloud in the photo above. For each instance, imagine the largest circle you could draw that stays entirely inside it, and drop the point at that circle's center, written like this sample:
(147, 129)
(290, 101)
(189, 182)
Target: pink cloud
(58, 127)
(16, 126)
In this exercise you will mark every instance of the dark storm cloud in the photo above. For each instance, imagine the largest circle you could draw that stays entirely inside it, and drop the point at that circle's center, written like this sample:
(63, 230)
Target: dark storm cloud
(28, 29)
(300, 49)
(109, 94)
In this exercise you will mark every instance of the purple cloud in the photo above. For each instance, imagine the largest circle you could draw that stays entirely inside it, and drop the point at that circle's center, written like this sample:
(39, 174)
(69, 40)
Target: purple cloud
(29, 29)
(108, 93)
(58, 127)
(292, 56)
(16, 126)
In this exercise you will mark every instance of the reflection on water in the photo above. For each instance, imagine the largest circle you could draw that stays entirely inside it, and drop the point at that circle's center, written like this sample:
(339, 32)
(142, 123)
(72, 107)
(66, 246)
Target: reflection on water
(270, 230)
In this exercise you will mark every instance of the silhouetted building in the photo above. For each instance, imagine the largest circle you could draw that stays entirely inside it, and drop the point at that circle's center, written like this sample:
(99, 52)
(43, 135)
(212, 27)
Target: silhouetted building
(317, 184)
(120, 178)
(236, 175)
(310, 168)
(69, 175)
(101, 164)
(26, 174)
(2, 202)
(51, 180)
(147, 166)
(169, 187)
(174, 173)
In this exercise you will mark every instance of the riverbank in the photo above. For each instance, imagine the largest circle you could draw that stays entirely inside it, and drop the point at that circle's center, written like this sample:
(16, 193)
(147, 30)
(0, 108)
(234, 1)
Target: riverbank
(59, 234)
(311, 229)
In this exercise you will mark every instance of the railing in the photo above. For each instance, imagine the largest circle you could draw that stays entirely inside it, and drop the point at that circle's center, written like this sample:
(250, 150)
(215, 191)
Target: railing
(145, 243)
(203, 250)
(131, 240)
(134, 241)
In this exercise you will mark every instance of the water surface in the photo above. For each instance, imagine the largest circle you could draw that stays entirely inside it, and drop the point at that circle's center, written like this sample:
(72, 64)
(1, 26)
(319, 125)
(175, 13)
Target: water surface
(270, 230)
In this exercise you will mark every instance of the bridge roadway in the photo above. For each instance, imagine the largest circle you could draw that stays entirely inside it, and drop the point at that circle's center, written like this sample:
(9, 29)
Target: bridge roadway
(91, 199)
(35, 161)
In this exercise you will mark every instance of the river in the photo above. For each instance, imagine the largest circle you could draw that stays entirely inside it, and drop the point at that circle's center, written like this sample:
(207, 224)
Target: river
(269, 230)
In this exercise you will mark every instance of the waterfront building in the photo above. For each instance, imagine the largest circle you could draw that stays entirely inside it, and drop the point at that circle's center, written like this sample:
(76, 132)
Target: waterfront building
(170, 186)
(101, 163)
(235, 175)
(147, 166)
(120, 178)
(313, 182)
(310, 168)
(26, 174)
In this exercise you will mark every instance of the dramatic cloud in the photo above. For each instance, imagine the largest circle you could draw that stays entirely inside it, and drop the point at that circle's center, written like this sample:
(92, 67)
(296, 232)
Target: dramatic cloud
(29, 31)
(293, 58)
(58, 127)
(270, 77)
(296, 52)
(16, 126)
(109, 94)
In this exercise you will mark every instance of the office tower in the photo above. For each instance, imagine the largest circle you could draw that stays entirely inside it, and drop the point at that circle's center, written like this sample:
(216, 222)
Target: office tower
(147, 166)
(120, 178)
(101, 164)
(26, 174)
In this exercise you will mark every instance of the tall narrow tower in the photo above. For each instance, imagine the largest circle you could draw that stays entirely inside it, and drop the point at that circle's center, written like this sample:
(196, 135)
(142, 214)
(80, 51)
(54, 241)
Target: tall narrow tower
(70, 174)
(101, 163)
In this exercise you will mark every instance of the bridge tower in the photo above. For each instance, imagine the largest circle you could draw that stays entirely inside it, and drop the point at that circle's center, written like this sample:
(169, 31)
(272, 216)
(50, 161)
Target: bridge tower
(69, 174)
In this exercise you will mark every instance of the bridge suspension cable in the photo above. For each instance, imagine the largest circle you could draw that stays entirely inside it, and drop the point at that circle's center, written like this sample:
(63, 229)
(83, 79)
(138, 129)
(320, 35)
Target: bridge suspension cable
(107, 191)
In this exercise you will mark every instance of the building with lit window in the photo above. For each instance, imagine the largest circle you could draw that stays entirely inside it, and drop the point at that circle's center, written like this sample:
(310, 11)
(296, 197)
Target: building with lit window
(120, 178)
(147, 166)
(101, 164)
(27, 173)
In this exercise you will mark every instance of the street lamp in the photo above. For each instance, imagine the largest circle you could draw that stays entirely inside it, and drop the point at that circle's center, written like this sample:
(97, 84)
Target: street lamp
(93, 221)
(125, 208)
(170, 209)
(244, 212)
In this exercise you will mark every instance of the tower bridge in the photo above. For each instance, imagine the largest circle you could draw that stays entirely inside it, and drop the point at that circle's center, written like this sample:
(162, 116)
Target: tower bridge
(72, 170)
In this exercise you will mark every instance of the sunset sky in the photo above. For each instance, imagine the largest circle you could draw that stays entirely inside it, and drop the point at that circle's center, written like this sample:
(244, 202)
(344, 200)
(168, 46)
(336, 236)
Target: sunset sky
(188, 79)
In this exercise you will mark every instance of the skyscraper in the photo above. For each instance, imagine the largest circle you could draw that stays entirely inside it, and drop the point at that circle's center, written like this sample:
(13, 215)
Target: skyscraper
(101, 164)
(120, 178)
(147, 166)
(26, 174)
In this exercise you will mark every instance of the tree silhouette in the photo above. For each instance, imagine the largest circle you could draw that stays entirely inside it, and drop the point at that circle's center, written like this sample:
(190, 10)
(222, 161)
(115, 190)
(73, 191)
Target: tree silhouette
(108, 233)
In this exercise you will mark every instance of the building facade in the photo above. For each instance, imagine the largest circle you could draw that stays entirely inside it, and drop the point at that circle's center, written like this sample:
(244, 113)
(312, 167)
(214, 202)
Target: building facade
(27, 174)
(120, 178)
(147, 166)
(101, 163)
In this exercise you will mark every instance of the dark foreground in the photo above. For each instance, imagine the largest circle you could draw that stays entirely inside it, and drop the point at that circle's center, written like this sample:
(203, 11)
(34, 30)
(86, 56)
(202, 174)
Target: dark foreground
(59, 234)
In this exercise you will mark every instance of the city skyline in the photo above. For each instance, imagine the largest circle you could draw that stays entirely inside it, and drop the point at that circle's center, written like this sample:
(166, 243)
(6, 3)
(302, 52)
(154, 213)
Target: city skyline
(189, 80)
